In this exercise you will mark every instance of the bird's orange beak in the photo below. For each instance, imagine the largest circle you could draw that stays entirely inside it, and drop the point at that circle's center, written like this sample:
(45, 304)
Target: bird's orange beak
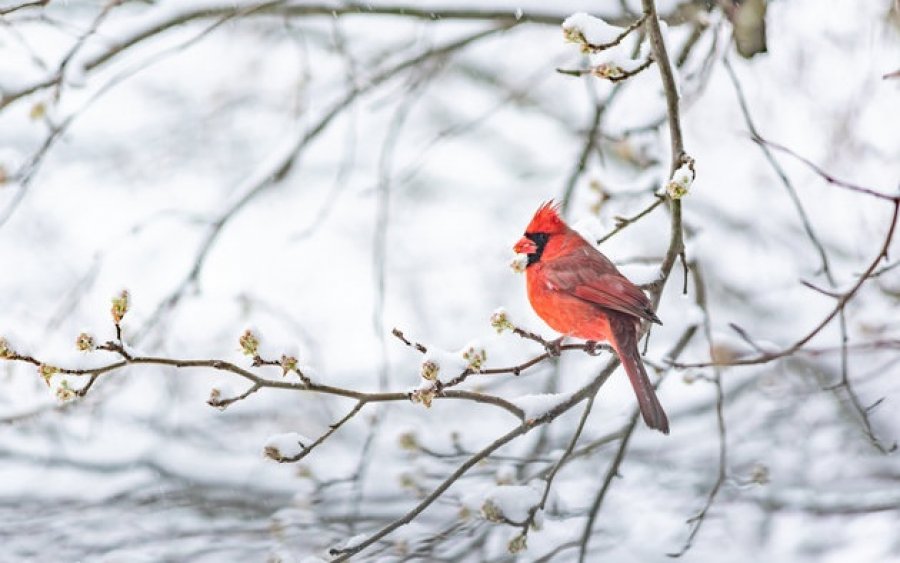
(525, 246)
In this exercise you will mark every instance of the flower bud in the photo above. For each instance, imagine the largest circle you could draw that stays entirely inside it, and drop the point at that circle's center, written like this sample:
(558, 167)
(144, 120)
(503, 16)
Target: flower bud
(517, 544)
(249, 343)
(500, 321)
(6, 350)
(288, 364)
(464, 513)
(430, 370)
(608, 70)
(120, 306)
(423, 396)
(84, 342)
(759, 474)
(47, 371)
(680, 183)
(407, 481)
(491, 512)
(475, 356)
(573, 35)
(215, 396)
(64, 393)
(37, 111)
(409, 441)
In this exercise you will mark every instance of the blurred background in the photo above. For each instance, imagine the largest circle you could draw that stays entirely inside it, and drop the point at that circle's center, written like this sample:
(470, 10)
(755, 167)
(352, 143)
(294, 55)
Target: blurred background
(324, 172)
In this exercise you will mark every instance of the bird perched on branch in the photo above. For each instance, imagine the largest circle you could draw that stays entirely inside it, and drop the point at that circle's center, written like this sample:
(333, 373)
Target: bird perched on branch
(580, 293)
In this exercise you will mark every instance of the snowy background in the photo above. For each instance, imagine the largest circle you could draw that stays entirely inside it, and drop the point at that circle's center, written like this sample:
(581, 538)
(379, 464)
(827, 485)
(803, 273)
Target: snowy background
(143, 147)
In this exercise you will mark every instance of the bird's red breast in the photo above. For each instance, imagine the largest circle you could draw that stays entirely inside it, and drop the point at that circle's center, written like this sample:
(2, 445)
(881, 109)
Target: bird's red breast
(580, 293)
(571, 284)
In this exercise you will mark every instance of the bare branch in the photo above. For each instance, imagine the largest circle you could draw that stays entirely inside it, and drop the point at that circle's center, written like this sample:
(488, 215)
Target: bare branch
(756, 138)
(841, 303)
(625, 33)
(611, 473)
(613, 73)
(22, 6)
(533, 511)
(228, 10)
(697, 520)
(331, 430)
(526, 426)
(782, 175)
(623, 222)
(258, 381)
(661, 56)
(276, 168)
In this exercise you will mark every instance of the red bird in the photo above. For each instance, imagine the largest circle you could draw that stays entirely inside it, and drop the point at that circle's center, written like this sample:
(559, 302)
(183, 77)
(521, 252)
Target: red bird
(580, 293)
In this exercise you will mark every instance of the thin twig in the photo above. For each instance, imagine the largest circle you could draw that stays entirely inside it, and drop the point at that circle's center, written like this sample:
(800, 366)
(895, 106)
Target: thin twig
(756, 138)
(343, 554)
(189, 14)
(533, 511)
(596, 48)
(221, 365)
(676, 240)
(697, 520)
(276, 168)
(612, 73)
(590, 141)
(782, 175)
(841, 303)
(678, 155)
(23, 5)
(331, 430)
(611, 472)
(623, 222)
(624, 435)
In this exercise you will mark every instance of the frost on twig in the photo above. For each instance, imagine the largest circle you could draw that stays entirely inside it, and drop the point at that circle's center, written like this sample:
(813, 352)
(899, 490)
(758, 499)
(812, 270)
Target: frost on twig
(536, 406)
(285, 447)
(597, 37)
(224, 394)
(594, 34)
(252, 345)
(462, 363)
(679, 185)
(509, 504)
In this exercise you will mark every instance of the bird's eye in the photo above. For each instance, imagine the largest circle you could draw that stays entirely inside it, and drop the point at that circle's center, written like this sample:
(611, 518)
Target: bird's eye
(540, 239)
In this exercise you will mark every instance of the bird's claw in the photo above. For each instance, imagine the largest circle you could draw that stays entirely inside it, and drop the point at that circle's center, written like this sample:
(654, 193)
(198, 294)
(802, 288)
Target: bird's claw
(554, 347)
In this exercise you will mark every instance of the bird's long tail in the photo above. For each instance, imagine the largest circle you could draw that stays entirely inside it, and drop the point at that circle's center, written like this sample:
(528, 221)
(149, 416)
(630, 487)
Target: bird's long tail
(625, 342)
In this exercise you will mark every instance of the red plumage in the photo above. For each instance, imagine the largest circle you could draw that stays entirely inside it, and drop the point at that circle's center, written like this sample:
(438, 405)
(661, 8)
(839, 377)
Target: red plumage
(580, 293)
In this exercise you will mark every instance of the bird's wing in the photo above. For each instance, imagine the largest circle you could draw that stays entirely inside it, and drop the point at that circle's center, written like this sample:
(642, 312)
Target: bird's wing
(592, 277)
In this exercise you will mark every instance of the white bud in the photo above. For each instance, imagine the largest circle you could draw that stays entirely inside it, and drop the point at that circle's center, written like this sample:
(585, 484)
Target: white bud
(682, 180)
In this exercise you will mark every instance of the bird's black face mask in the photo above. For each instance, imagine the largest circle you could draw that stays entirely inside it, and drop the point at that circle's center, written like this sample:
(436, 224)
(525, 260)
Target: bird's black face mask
(540, 241)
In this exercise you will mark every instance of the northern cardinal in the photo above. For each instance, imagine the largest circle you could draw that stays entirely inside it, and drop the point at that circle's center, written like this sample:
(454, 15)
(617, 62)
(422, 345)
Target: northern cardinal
(580, 293)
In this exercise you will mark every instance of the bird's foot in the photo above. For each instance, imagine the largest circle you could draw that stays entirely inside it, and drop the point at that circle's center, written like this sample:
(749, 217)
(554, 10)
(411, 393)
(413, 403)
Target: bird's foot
(595, 348)
(554, 347)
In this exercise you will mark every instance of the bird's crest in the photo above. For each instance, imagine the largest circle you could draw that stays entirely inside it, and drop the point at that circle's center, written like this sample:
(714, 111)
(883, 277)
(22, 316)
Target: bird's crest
(546, 219)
